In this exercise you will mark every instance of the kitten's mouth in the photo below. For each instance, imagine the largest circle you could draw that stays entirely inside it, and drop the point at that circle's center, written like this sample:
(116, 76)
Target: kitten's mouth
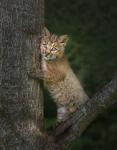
(48, 56)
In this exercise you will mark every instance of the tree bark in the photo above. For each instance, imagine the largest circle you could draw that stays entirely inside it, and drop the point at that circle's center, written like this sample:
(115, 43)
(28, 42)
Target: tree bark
(21, 103)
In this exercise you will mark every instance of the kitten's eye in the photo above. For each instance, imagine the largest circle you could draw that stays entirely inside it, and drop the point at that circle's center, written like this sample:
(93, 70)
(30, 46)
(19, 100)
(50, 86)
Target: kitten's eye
(45, 45)
(55, 48)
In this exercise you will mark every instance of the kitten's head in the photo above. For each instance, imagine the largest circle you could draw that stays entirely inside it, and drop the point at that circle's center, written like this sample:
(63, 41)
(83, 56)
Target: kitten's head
(52, 46)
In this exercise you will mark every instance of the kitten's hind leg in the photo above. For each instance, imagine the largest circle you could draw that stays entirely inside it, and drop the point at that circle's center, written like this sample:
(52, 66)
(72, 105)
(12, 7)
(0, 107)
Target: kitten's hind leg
(62, 114)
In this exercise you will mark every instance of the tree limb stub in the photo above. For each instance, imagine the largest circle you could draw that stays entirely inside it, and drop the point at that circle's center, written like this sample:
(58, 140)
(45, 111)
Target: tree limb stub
(85, 114)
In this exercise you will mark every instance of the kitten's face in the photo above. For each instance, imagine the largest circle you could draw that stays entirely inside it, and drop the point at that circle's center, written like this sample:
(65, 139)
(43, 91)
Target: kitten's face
(52, 46)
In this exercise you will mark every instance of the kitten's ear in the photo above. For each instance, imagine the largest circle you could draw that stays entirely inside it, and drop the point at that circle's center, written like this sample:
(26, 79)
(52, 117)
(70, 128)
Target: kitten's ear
(63, 39)
(46, 32)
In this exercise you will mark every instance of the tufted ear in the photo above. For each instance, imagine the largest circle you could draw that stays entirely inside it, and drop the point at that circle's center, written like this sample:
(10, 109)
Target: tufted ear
(63, 39)
(46, 32)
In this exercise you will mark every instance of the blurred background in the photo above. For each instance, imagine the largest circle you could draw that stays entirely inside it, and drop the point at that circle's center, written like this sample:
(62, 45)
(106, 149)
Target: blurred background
(92, 53)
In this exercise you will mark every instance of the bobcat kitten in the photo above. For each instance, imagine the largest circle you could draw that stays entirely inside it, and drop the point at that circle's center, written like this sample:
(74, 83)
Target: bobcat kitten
(58, 76)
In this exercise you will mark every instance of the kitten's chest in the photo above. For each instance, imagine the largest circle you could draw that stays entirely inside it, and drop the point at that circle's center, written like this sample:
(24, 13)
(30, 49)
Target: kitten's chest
(49, 65)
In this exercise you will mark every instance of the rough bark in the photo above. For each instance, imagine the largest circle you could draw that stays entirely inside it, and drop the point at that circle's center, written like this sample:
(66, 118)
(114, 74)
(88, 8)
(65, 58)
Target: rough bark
(21, 104)
(67, 131)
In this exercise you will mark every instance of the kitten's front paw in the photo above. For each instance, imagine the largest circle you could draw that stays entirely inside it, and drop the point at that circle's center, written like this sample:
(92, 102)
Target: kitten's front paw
(33, 73)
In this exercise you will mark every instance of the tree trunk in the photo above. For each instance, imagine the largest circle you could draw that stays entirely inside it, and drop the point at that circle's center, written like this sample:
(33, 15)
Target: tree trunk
(21, 103)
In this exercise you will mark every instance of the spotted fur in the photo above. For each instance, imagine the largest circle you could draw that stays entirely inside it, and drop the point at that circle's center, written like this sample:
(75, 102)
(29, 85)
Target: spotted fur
(59, 78)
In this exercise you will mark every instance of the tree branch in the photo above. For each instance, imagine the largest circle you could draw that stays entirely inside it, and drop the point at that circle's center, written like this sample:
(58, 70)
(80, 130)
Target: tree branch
(85, 114)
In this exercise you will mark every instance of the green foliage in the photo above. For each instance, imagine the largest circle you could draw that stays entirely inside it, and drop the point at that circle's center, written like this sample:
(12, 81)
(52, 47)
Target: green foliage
(92, 52)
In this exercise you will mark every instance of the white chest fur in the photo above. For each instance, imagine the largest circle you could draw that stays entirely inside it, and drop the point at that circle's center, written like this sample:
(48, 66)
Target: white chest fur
(44, 65)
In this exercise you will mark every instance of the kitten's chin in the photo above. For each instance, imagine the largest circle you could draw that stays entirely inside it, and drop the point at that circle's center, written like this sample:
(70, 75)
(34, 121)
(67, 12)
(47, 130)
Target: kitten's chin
(49, 57)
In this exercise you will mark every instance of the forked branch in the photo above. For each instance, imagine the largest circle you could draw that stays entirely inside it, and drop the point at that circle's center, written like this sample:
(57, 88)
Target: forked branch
(85, 114)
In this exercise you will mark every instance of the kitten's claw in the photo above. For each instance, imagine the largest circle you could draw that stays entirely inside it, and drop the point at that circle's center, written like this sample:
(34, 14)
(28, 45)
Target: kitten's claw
(33, 73)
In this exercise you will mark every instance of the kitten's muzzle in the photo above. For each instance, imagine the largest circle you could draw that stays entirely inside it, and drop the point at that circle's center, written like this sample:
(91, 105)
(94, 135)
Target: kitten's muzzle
(48, 56)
